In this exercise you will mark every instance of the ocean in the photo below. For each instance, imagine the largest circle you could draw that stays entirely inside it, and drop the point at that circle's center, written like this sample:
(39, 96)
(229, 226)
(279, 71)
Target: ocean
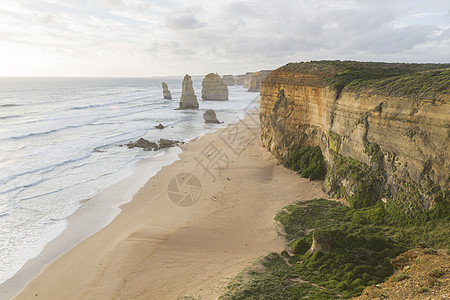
(59, 147)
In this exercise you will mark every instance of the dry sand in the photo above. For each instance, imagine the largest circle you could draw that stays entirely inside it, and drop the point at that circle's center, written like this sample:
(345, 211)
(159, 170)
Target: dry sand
(155, 249)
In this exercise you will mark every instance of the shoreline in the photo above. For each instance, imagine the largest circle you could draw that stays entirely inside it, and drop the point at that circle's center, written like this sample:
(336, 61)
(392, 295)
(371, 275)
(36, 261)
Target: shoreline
(95, 214)
(78, 227)
(154, 240)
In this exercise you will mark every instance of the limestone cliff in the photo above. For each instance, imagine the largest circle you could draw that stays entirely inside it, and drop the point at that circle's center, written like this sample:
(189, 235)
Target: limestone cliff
(384, 134)
(255, 80)
(213, 88)
(240, 79)
(247, 78)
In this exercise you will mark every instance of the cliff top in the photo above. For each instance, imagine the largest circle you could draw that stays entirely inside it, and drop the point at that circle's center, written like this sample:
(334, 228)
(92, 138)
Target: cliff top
(399, 79)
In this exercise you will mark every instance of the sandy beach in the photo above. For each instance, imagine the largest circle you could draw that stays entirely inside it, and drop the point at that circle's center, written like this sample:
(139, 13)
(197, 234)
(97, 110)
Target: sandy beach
(189, 230)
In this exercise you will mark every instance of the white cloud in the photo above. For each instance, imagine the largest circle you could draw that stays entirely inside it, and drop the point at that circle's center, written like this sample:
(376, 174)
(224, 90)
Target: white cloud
(160, 37)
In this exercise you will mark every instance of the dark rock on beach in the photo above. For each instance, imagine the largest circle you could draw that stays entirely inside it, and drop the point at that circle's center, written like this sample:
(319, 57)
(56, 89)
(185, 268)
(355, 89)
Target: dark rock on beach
(210, 117)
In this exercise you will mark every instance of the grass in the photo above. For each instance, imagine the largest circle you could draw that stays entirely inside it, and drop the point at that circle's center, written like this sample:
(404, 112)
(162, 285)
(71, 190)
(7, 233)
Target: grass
(399, 79)
(361, 243)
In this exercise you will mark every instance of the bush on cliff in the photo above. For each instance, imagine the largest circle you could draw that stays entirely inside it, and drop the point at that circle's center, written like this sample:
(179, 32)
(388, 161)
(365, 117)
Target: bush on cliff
(308, 161)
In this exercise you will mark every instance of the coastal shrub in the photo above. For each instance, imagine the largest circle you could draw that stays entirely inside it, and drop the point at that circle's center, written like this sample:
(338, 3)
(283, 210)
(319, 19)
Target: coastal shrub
(301, 245)
(363, 188)
(362, 243)
(308, 161)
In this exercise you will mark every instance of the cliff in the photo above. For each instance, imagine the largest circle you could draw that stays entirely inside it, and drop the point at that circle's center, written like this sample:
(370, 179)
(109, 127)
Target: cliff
(255, 79)
(213, 88)
(247, 78)
(240, 79)
(383, 128)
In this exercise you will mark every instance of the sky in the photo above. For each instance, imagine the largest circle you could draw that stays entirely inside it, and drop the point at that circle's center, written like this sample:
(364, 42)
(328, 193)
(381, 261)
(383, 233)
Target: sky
(141, 38)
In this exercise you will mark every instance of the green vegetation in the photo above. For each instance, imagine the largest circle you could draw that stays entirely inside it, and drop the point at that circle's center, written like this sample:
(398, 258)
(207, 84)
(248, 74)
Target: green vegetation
(399, 79)
(363, 186)
(426, 84)
(308, 161)
(400, 277)
(359, 243)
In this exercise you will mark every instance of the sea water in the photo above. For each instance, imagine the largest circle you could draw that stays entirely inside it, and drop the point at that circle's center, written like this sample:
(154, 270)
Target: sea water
(60, 146)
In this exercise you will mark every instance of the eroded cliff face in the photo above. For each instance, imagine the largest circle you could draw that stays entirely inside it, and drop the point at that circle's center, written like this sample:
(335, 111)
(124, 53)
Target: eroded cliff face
(383, 145)
(256, 78)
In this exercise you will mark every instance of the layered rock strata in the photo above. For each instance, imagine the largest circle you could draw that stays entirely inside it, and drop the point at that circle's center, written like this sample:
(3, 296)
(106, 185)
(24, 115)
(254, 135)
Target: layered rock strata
(255, 79)
(228, 79)
(188, 98)
(166, 93)
(213, 88)
(247, 78)
(387, 138)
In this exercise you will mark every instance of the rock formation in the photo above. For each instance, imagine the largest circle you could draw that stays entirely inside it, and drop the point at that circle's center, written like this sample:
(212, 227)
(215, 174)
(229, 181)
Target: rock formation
(255, 80)
(164, 143)
(210, 117)
(247, 78)
(385, 139)
(166, 92)
(148, 146)
(188, 99)
(160, 126)
(228, 79)
(239, 79)
(143, 143)
(426, 277)
(213, 88)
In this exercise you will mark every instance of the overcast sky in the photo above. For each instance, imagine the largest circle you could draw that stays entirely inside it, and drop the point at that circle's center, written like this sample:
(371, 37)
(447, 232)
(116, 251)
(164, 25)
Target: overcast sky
(174, 37)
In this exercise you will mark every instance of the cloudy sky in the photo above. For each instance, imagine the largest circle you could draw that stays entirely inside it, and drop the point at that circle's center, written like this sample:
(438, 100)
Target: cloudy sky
(175, 37)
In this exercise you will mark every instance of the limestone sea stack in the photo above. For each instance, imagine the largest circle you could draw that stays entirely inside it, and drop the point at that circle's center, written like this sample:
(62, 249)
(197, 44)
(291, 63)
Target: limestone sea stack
(210, 117)
(188, 98)
(239, 80)
(166, 93)
(228, 79)
(213, 88)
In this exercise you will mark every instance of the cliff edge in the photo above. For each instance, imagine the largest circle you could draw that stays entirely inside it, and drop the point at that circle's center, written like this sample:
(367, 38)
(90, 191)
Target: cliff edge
(383, 128)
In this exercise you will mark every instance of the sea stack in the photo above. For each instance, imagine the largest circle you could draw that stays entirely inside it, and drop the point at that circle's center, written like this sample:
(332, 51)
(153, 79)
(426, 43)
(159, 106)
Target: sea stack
(188, 99)
(166, 93)
(213, 88)
(228, 79)
(210, 117)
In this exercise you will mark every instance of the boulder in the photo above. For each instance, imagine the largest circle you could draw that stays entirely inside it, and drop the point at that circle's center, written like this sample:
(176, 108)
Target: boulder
(321, 241)
(213, 88)
(143, 143)
(228, 79)
(160, 126)
(163, 143)
(210, 117)
(188, 98)
(239, 80)
(166, 92)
